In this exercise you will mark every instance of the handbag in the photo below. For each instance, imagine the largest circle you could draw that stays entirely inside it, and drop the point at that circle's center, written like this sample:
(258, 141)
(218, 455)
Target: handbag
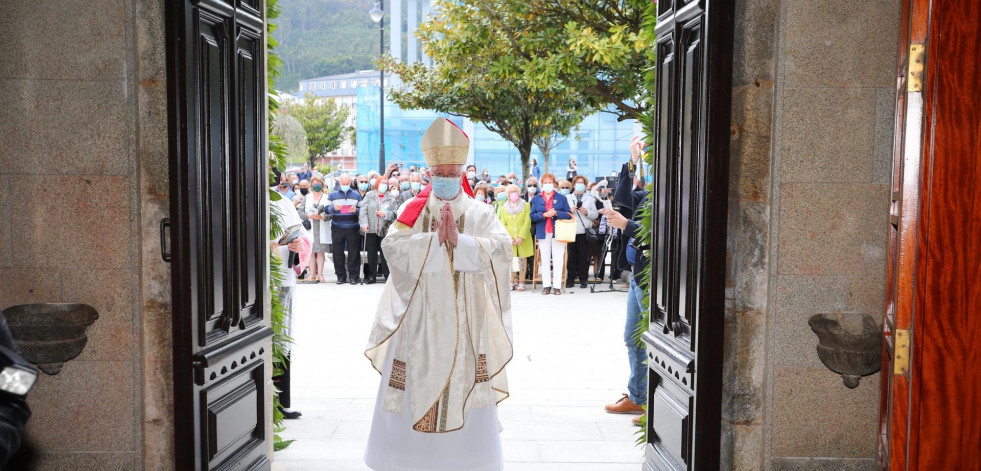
(565, 230)
(592, 235)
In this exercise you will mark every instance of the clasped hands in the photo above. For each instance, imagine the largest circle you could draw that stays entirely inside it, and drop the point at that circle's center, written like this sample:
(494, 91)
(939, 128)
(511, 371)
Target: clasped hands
(446, 231)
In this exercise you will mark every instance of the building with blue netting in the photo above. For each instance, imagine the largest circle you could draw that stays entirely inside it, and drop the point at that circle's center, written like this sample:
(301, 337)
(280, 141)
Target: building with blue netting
(600, 145)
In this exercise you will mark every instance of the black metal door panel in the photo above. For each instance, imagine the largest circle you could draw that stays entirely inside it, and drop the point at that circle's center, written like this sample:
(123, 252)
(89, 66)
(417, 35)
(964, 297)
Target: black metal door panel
(684, 339)
(217, 102)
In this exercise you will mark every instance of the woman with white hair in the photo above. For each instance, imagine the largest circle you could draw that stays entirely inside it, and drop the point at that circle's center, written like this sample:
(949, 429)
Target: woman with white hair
(515, 214)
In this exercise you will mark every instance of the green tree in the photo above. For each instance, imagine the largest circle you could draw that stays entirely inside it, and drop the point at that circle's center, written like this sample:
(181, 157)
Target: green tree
(323, 121)
(294, 137)
(598, 48)
(466, 81)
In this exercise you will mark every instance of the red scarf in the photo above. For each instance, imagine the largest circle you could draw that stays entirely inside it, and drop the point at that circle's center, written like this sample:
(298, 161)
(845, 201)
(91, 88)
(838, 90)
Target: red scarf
(414, 209)
(548, 207)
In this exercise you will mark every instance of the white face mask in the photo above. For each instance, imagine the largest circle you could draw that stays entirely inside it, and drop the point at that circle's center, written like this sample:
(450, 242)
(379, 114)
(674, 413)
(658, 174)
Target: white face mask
(446, 188)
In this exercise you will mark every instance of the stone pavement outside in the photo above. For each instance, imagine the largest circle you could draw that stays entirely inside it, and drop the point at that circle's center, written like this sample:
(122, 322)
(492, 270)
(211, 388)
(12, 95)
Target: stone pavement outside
(569, 360)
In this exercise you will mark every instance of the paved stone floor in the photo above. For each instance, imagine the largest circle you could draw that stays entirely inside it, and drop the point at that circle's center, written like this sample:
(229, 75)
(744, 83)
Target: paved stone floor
(569, 361)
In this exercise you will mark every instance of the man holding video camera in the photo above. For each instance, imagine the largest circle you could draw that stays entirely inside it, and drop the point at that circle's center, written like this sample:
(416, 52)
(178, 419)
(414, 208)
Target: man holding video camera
(629, 196)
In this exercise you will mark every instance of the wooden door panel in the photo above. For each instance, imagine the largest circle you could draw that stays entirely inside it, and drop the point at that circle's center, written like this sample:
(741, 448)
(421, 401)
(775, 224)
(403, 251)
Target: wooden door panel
(665, 135)
(671, 447)
(665, 125)
(249, 177)
(690, 175)
(222, 357)
(691, 156)
(212, 179)
(233, 411)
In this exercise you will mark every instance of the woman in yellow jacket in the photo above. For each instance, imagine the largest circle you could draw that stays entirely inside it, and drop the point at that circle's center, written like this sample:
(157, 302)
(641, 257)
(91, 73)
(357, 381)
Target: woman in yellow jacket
(515, 214)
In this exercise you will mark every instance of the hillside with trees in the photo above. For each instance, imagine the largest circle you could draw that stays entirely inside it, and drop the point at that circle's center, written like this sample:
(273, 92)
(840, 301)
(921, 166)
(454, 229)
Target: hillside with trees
(325, 37)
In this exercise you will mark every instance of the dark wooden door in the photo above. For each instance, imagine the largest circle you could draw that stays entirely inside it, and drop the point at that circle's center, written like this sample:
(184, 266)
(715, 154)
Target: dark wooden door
(931, 380)
(217, 104)
(691, 174)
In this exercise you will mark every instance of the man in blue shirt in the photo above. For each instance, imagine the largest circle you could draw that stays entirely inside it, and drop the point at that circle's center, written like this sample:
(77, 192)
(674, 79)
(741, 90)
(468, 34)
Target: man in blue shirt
(344, 230)
(304, 174)
(285, 188)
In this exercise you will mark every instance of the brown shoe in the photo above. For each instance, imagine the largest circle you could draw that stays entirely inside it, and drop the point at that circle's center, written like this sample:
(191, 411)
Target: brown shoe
(624, 406)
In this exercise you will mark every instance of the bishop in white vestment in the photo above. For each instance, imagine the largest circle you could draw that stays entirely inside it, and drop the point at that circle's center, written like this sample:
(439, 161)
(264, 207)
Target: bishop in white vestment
(442, 334)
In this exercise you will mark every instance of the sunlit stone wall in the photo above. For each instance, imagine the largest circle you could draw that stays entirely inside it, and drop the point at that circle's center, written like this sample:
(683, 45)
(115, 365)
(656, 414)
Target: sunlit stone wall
(83, 186)
(812, 138)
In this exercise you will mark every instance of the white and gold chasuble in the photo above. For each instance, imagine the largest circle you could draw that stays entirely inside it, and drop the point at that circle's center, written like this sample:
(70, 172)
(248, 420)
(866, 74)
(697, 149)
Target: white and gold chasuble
(442, 334)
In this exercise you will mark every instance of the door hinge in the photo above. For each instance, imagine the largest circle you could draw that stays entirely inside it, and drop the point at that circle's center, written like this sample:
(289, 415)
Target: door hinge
(900, 353)
(914, 83)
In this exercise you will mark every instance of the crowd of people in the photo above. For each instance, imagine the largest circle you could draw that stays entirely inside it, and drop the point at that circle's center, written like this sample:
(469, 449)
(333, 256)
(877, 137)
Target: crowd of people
(348, 216)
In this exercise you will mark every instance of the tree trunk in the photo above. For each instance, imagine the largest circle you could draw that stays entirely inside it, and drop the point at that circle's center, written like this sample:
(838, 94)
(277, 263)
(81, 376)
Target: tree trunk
(546, 152)
(525, 151)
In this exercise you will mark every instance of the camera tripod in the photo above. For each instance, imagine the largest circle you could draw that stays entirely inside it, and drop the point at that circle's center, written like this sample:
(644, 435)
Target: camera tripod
(604, 250)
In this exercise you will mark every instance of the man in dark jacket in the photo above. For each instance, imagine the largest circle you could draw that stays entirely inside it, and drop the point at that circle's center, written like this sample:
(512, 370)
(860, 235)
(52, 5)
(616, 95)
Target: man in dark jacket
(344, 230)
(630, 196)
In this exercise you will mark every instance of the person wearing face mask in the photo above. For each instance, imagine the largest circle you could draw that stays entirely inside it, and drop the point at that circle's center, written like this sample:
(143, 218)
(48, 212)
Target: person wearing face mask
(572, 170)
(442, 332)
(472, 175)
(393, 187)
(531, 189)
(485, 176)
(413, 189)
(480, 196)
(584, 209)
(499, 197)
(363, 185)
(314, 203)
(536, 171)
(599, 193)
(342, 209)
(564, 186)
(376, 211)
(546, 208)
(515, 214)
(285, 189)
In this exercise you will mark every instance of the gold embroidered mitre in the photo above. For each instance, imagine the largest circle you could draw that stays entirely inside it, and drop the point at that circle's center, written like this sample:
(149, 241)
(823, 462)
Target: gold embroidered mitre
(445, 143)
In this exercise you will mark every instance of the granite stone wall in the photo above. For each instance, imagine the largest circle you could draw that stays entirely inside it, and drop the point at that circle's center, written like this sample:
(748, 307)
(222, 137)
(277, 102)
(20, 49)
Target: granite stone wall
(812, 115)
(83, 185)
(748, 228)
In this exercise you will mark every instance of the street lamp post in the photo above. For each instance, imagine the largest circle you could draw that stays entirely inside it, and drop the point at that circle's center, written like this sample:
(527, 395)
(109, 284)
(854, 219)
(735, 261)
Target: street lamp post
(378, 16)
